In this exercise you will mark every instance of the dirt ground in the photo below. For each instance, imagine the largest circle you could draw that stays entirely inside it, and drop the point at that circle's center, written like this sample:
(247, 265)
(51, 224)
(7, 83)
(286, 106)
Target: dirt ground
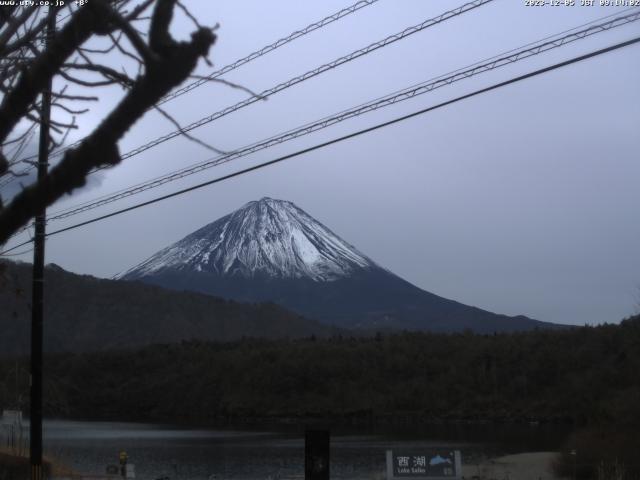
(523, 466)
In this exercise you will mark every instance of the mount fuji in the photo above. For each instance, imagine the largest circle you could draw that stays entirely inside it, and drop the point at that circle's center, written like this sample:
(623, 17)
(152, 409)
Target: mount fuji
(271, 250)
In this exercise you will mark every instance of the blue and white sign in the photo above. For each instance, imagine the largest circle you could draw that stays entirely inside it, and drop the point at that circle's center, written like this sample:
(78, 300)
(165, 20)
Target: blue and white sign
(427, 464)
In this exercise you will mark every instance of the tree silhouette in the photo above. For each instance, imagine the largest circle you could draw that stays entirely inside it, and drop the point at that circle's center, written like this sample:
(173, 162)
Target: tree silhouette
(28, 64)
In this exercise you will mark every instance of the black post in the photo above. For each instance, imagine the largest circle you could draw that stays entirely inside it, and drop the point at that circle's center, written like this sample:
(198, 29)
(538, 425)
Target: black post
(37, 298)
(316, 455)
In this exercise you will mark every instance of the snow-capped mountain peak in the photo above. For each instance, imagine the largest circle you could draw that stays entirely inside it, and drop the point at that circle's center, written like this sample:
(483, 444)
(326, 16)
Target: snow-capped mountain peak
(268, 237)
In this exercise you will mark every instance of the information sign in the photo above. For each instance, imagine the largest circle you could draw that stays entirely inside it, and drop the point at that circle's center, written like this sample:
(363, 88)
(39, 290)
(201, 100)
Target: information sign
(424, 464)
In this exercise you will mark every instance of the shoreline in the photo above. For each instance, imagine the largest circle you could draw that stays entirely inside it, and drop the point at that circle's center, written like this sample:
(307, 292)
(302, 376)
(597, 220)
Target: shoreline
(521, 466)
(383, 420)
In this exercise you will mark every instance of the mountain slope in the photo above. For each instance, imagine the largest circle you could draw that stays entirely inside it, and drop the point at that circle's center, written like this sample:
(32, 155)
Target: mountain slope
(269, 237)
(271, 250)
(84, 313)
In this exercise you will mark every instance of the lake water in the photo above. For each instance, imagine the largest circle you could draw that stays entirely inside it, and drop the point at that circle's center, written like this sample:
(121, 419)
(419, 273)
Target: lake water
(272, 452)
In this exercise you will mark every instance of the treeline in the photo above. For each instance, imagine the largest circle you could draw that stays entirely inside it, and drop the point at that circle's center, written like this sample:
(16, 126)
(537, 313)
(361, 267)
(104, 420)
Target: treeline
(116, 314)
(583, 375)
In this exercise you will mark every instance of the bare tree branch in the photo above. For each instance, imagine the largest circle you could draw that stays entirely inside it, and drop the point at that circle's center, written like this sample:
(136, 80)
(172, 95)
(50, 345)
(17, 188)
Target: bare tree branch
(29, 36)
(186, 134)
(166, 63)
(107, 72)
(81, 26)
(14, 25)
(232, 85)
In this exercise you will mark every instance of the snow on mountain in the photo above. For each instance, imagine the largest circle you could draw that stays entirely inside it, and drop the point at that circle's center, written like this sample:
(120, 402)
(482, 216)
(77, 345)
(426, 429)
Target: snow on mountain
(272, 251)
(268, 237)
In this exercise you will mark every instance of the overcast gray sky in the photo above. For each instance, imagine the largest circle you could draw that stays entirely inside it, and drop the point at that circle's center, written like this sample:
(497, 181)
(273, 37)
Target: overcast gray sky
(520, 201)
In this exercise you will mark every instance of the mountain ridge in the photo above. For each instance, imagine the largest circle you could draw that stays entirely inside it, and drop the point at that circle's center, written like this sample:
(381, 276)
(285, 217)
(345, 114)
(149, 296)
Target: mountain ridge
(84, 313)
(254, 254)
(268, 236)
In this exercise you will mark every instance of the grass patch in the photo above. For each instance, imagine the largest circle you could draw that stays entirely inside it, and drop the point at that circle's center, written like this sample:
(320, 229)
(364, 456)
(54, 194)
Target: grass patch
(18, 467)
(600, 453)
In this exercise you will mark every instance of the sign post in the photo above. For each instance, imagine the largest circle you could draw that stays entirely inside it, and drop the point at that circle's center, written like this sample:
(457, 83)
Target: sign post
(426, 464)
(316, 455)
(123, 463)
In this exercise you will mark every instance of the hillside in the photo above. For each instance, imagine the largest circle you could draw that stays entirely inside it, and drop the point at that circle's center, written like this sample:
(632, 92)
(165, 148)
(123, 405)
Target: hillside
(583, 375)
(272, 250)
(84, 313)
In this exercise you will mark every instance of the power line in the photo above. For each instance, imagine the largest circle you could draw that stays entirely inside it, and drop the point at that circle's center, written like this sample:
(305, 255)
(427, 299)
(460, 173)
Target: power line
(242, 61)
(343, 138)
(209, 161)
(301, 78)
(269, 48)
(17, 254)
(311, 74)
(401, 95)
(396, 97)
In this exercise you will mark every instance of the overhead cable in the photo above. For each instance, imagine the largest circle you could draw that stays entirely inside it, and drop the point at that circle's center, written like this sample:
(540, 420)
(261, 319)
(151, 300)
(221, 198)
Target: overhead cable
(268, 48)
(232, 66)
(396, 97)
(342, 138)
(310, 74)
(301, 78)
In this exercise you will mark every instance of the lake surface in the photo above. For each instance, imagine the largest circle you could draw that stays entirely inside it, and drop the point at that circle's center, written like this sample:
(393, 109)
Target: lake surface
(273, 452)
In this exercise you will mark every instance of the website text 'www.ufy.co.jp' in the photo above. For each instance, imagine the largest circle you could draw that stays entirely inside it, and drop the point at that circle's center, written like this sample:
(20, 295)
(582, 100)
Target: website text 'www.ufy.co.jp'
(32, 3)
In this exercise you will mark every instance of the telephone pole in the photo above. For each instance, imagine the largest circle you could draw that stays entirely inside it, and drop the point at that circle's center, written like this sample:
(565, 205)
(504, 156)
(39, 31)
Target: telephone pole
(37, 299)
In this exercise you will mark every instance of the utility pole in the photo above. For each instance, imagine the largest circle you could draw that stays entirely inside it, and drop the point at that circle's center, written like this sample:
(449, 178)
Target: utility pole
(37, 299)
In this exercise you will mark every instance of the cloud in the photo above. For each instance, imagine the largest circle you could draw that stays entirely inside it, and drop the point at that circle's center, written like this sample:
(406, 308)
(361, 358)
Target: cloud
(10, 190)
